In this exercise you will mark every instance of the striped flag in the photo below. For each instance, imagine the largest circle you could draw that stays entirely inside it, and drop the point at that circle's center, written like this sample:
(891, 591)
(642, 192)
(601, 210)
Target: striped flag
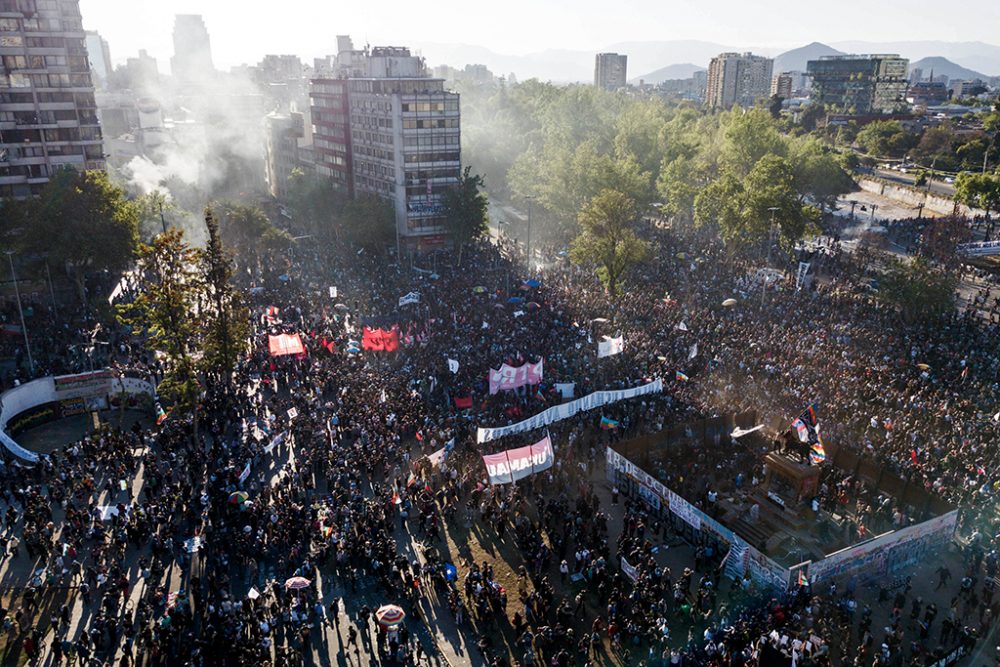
(608, 424)
(680, 377)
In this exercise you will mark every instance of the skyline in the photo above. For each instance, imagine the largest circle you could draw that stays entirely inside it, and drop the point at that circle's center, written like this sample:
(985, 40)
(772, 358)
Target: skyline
(242, 33)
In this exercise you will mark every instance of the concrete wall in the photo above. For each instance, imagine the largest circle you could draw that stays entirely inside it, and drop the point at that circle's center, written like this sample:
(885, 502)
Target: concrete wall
(915, 197)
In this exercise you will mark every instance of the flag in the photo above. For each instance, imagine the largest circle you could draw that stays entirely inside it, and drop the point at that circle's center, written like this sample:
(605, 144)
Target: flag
(803, 580)
(680, 377)
(540, 396)
(453, 365)
(463, 402)
(681, 326)
(610, 346)
(412, 297)
(608, 424)
(913, 456)
(693, 351)
(801, 429)
(965, 372)
(161, 416)
(817, 454)
(245, 473)
(420, 436)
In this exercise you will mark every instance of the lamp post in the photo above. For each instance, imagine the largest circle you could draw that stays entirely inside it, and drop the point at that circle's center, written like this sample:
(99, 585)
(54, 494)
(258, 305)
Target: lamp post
(24, 328)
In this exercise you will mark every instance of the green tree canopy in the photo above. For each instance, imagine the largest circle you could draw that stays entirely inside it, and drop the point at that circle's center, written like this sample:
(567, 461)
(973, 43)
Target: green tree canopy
(466, 211)
(978, 191)
(918, 290)
(608, 238)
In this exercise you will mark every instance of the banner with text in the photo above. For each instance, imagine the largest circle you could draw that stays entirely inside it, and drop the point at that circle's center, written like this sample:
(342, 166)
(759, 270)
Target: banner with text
(507, 377)
(566, 410)
(514, 464)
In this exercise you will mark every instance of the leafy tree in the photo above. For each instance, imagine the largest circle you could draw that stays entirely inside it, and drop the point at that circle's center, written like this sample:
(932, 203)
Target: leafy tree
(678, 186)
(742, 207)
(466, 210)
(314, 204)
(883, 138)
(811, 117)
(153, 209)
(918, 290)
(370, 221)
(165, 313)
(84, 222)
(978, 191)
(748, 137)
(225, 320)
(608, 238)
(774, 106)
(818, 174)
(249, 231)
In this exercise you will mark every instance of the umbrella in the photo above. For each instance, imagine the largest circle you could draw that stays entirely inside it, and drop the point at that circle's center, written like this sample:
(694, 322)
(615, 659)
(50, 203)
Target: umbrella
(532, 283)
(728, 303)
(238, 498)
(389, 615)
(600, 320)
(353, 350)
(923, 367)
(341, 306)
(297, 583)
(516, 299)
(479, 289)
(533, 306)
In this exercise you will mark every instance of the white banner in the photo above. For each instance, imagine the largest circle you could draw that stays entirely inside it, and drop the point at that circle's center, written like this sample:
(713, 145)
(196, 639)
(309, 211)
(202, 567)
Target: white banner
(630, 571)
(693, 351)
(565, 389)
(514, 464)
(412, 297)
(245, 473)
(333, 292)
(800, 276)
(567, 410)
(610, 346)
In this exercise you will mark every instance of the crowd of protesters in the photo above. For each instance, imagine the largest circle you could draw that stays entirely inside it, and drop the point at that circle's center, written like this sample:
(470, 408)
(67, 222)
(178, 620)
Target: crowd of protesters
(318, 467)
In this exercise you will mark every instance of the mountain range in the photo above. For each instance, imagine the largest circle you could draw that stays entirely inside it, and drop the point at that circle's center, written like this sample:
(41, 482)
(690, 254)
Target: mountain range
(679, 71)
(940, 66)
(567, 65)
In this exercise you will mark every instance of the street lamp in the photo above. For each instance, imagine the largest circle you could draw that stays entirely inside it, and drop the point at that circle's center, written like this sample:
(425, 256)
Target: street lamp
(24, 328)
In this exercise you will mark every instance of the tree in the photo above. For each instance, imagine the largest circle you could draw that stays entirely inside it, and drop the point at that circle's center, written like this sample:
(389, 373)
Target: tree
(774, 106)
(466, 210)
(817, 171)
(978, 191)
(165, 312)
(883, 138)
(742, 207)
(748, 137)
(83, 221)
(678, 186)
(370, 221)
(152, 208)
(225, 320)
(248, 230)
(608, 238)
(314, 204)
(918, 290)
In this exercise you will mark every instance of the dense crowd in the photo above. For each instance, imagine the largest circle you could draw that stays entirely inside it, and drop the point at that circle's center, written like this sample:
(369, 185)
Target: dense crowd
(317, 467)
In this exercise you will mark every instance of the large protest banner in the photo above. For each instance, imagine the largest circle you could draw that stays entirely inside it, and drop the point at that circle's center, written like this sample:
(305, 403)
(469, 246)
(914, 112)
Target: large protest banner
(380, 340)
(610, 346)
(507, 377)
(567, 410)
(514, 464)
(285, 344)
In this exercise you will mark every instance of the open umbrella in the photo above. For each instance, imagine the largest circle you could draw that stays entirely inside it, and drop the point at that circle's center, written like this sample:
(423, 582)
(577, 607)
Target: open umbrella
(532, 306)
(238, 498)
(389, 615)
(516, 299)
(729, 303)
(341, 307)
(479, 289)
(532, 283)
(923, 367)
(297, 583)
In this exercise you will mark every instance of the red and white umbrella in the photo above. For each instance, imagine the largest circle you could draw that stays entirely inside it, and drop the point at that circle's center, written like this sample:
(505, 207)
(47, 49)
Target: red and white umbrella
(390, 615)
(297, 583)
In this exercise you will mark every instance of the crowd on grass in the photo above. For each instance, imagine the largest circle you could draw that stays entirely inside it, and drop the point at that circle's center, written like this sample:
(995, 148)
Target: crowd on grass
(348, 470)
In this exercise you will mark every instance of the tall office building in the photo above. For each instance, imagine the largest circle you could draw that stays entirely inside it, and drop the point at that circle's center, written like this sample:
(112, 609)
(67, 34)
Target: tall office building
(610, 71)
(192, 59)
(781, 85)
(48, 117)
(735, 78)
(862, 85)
(100, 58)
(394, 133)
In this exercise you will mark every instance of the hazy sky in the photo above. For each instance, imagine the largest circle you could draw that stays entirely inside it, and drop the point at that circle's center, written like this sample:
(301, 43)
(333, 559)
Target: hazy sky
(244, 30)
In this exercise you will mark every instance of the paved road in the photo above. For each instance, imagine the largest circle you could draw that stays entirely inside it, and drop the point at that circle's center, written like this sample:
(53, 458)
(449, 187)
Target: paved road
(936, 187)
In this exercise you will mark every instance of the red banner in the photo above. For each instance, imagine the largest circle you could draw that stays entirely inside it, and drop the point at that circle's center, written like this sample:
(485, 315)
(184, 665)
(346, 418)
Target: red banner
(463, 403)
(285, 344)
(380, 340)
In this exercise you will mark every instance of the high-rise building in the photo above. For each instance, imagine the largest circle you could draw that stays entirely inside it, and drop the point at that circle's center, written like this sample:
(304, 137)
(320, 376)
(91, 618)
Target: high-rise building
(282, 134)
(862, 85)
(143, 73)
(192, 59)
(394, 133)
(781, 85)
(610, 71)
(99, 54)
(48, 116)
(735, 78)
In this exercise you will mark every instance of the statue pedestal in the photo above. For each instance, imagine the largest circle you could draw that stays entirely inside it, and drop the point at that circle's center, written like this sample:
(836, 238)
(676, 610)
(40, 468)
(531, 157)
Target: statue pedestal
(789, 482)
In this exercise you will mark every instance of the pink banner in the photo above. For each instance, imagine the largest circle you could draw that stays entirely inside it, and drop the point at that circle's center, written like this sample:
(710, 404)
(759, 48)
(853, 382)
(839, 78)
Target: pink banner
(514, 464)
(507, 377)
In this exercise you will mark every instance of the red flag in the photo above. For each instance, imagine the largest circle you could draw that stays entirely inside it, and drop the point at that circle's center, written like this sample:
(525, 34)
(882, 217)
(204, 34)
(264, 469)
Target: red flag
(390, 339)
(913, 456)
(463, 402)
(372, 339)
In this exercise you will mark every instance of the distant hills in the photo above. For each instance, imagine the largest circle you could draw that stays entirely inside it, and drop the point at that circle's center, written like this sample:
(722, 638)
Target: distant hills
(940, 65)
(796, 59)
(567, 65)
(679, 71)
